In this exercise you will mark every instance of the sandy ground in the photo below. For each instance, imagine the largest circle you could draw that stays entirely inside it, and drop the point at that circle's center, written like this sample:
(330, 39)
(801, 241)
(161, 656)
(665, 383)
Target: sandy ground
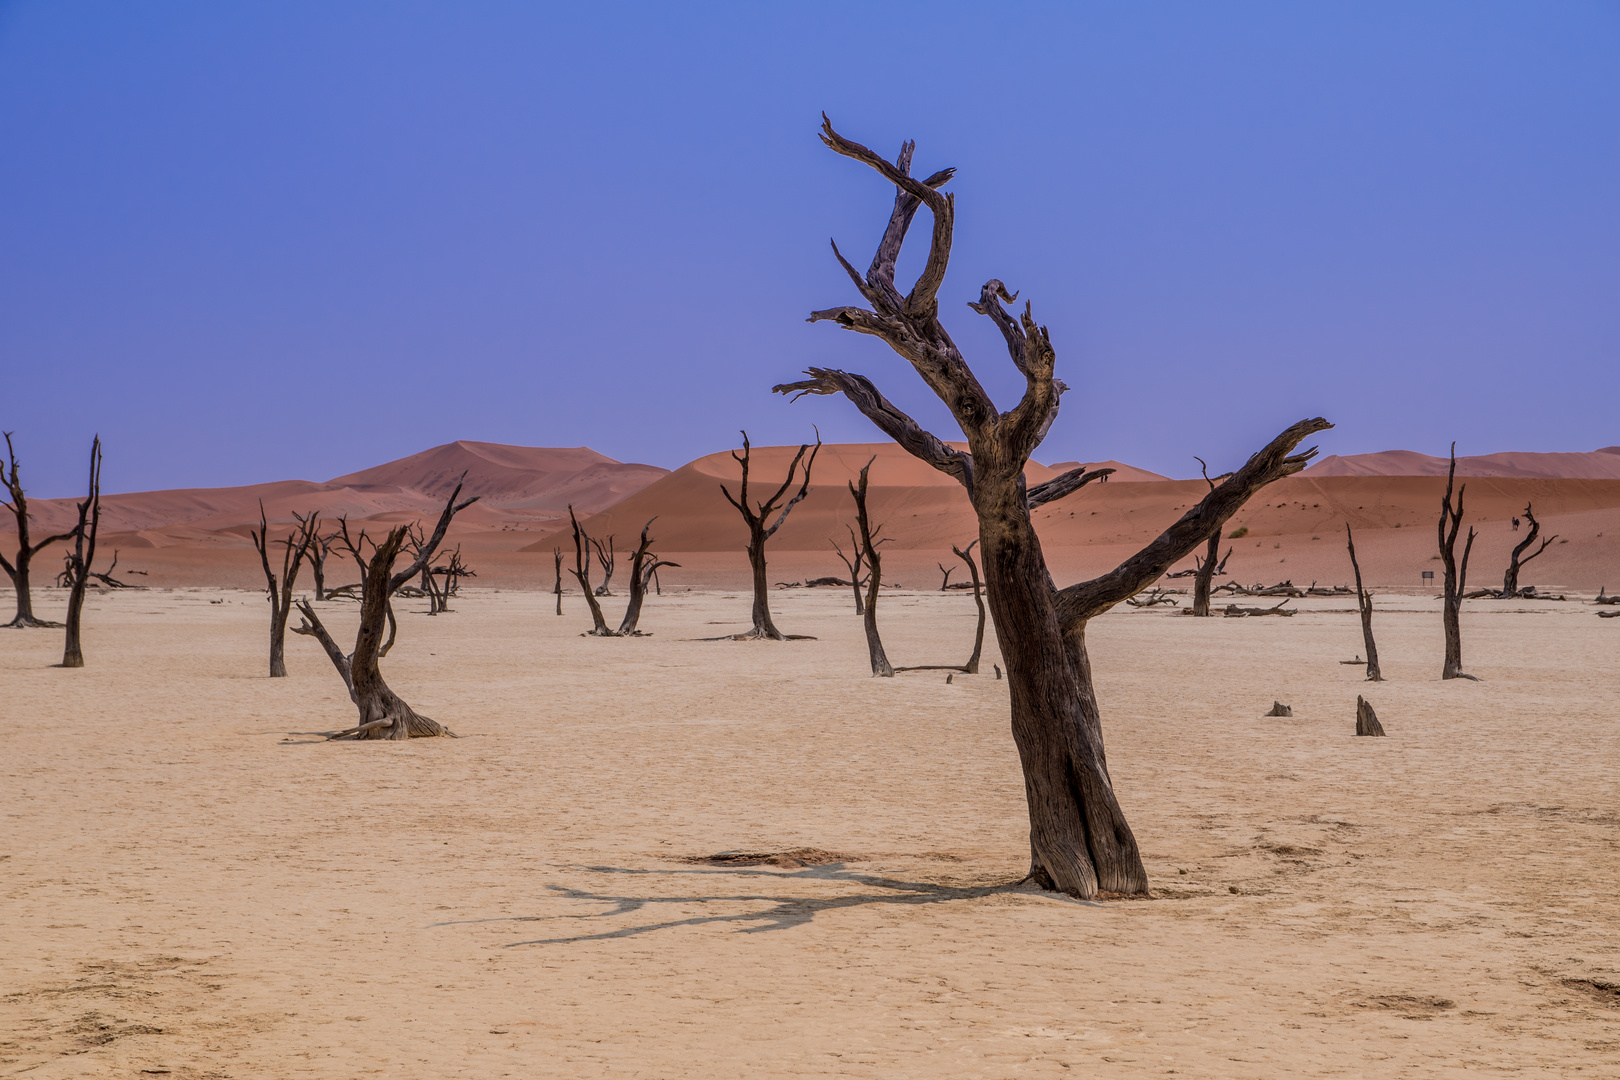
(193, 888)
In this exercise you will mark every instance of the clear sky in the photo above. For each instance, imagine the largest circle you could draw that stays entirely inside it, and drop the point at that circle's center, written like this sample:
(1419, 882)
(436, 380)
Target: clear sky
(253, 241)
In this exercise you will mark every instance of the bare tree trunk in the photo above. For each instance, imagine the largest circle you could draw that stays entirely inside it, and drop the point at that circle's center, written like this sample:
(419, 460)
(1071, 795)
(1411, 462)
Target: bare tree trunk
(1510, 580)
(80, 559)
(582, 574)
(1456, 580)
(18, 571)
(1205, 576)
(966, 555)
(642, 568)
(557, 553)
(279, 591)
(1365, 604)
(1080, 843)
(945, 584)
(759, 531)
(605, 557)
(854, 565)
(874, 581)
(319, 549)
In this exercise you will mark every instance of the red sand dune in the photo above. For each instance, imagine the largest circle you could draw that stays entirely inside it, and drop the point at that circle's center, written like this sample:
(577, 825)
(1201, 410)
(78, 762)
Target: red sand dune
(1601, 464)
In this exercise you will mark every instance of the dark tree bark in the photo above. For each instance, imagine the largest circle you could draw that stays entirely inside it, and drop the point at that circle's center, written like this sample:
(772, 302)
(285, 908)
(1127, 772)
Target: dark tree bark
(296, 548)
(759, 531)
(79, 560)
(383, 714)
(582, 574)
(854, 565)
(319, 549)
(18, 571)
(966, 555)
(1510, 580)
(643, 565)
(1080, 842)
(946, 572)
(557, 554)
(1365, 604)
(1205, 577)
(874, 581)
(1456, 573)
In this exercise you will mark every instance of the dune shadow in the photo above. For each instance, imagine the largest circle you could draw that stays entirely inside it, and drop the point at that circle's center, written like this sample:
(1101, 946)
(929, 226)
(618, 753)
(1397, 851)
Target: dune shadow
(781, 912)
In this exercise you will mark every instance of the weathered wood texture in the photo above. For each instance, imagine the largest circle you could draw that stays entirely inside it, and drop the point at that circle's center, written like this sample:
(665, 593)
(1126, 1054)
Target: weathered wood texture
(1365, 605)
(27, 548)
(874, 582)
(79, 560)
(1080, 842)
(1366, 720)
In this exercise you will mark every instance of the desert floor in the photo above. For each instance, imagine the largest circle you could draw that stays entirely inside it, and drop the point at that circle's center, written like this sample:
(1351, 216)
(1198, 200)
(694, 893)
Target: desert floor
(194, 885)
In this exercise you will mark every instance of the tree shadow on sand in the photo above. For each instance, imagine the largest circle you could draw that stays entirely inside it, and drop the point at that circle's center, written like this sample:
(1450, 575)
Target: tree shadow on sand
(784, 912)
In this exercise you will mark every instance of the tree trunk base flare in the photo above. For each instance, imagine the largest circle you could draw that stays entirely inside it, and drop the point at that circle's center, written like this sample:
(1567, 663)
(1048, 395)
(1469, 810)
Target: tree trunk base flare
(22, 622)
(1366, 720)
(1279, 709)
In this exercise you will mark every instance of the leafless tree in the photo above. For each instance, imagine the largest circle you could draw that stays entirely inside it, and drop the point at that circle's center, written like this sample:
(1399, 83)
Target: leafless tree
(383, 713)
(557, 554)
(320, 547)
(1456, 573)
(80, 558)
(1510, 580)
(966, 555)
(1365, 604)
(855, 560)
(1208, 567)
(759, 531)
(643, 567)
(605, 558)
(874, 582)
(296, 546)
(1080, 842)
(26, 550)
(945, 576)
(582, 574)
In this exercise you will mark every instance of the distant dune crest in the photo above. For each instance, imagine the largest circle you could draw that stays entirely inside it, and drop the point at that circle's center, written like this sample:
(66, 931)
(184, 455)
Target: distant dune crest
(1601, 464)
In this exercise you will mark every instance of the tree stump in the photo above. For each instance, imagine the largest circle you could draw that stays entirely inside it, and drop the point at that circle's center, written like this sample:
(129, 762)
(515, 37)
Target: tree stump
(1279, 709)
(1366, 720)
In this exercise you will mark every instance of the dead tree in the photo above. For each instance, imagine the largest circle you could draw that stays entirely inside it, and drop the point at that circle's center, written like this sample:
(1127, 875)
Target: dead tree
(966, 555)
(320, 547)
(1204, 576)
(1456, 573)
(758, 531)
(1367, 720)
(296, 547)
(1365, 604)
(26, 550)
(870, 543)
(1510, 580)
(1080, 842)
(643, 566)
(854, 565)
(557, 554)
(605, 558)
(582, 574)
(383, 713)
(947, 571)
(80, 557)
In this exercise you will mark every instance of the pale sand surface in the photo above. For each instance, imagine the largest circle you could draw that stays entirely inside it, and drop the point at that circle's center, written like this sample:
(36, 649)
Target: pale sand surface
(184, 890)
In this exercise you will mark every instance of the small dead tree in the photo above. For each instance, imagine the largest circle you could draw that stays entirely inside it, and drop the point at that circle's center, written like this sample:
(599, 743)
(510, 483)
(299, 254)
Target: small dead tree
(79, 559)
(26, 548)
(874, 582)
(643, 567)
(1365, 604)
(854, 565)
(1456, 573)
(383, 714)
(557, 588)
(966, 555)
(320, 547)
(946, 572)
(1516, 561)
(605, 559)
(759, 531)
(296, 547)
(582, 574)
(1208, 567)
(1080, 842)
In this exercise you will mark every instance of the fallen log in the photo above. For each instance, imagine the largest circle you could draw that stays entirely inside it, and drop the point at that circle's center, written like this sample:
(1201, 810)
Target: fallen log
(1235, 611)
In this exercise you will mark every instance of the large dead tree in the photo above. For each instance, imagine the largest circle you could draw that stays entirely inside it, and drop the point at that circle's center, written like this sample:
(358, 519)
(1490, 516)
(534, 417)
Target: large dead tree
(27, 548)
(1365, 605)
(79, 558)
(874, 582)
(383, 713)
(296, 547)
(1456, 573)
(1208, 567)
(1080, 842)
(1516, 561)
(761, 529)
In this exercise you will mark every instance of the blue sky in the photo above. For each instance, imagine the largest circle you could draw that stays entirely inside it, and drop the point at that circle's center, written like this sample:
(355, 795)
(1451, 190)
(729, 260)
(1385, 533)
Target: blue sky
(253, 241)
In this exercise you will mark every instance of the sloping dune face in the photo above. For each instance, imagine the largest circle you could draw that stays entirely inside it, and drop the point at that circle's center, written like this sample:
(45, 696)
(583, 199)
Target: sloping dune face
(1601, 464)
